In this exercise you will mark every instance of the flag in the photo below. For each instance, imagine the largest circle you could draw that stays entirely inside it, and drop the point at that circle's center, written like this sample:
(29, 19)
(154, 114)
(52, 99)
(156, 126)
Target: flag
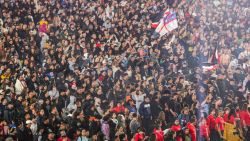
(229, 131)
(215, 60)
(167, 24)
(216, 57)
(210, 67)
(43, 26)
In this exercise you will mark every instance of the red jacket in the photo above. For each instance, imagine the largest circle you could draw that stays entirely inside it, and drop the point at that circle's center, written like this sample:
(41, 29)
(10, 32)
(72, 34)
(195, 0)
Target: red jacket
(211, 122)
(192, 131)
(220, 122)
(225, 117)
(244, 116)
(118, 109)
(204, 131)
(61, 139)
(176, 128)
(247, 118)
(138, 137)
(159, 135)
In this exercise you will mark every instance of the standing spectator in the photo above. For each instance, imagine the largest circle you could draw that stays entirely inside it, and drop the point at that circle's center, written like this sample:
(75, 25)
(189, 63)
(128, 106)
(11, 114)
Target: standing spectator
(247, 124)
(219, 121)
(68, 64)
(27, 131)
(83, 136)
(20, 85)
(140, 135)
(176, 127)
(146, 115)
(134, 124)
(204, 130)
(106, 128)
(50, 136)
(63, 136)
(211, 124)
(192, 128)
(159, 134)
(155, 107)
(184, 117)
(138, 97)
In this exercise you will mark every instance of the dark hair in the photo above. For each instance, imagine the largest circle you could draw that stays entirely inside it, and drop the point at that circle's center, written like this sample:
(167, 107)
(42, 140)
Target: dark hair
(244, 106)
(134, 115)
(193, 119)
(231, 113)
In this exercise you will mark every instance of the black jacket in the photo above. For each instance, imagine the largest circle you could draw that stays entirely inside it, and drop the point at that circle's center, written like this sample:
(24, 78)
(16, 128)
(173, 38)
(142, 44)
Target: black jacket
(24, 135)
(145, 110)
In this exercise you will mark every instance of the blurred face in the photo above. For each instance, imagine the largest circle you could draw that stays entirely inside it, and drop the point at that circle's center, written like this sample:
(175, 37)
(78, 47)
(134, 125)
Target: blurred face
(84, 132)
(187, 131)
(94, 137)
(186, 112)
(213, 112)
(42, 112)
(221, 113)
(4, 102)
(121, 129)
(219, 102)
(176, 122)
(51, 136)
(227, 111)
(114, 115)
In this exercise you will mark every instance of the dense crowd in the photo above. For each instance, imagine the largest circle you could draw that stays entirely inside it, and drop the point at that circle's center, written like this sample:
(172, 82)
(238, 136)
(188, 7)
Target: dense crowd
(91, 70)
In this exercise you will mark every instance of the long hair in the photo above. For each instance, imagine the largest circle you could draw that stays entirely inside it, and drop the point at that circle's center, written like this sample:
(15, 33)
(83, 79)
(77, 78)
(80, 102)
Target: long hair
(161, 116)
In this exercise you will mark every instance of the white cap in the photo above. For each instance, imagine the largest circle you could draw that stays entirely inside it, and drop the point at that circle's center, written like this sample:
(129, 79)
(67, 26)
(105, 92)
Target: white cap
(70, 115)
(28, 122)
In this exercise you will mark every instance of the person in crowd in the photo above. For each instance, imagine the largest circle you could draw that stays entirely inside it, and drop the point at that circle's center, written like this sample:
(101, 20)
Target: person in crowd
(204, 130)
(184, 117)
(192, 128)
(146, 115)
(219, 121)
(83, 136)
(140, 135)
(134, 124)
(247, 124)
(176, 127)
(50, 136)
(211, 122)
(63, 136)
(98, 65)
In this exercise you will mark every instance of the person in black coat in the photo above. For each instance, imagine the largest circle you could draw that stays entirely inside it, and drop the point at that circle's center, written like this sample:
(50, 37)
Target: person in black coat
(155, 107)
(146, 114)
(28, 136)
(23, 132)
(31, 83)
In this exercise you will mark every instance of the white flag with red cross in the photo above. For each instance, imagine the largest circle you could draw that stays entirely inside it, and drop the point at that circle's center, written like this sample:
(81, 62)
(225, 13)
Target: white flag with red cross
(167, 24)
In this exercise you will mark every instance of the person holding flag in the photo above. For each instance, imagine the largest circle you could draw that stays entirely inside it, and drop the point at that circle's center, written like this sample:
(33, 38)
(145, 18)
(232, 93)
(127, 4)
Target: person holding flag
(167, 23)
